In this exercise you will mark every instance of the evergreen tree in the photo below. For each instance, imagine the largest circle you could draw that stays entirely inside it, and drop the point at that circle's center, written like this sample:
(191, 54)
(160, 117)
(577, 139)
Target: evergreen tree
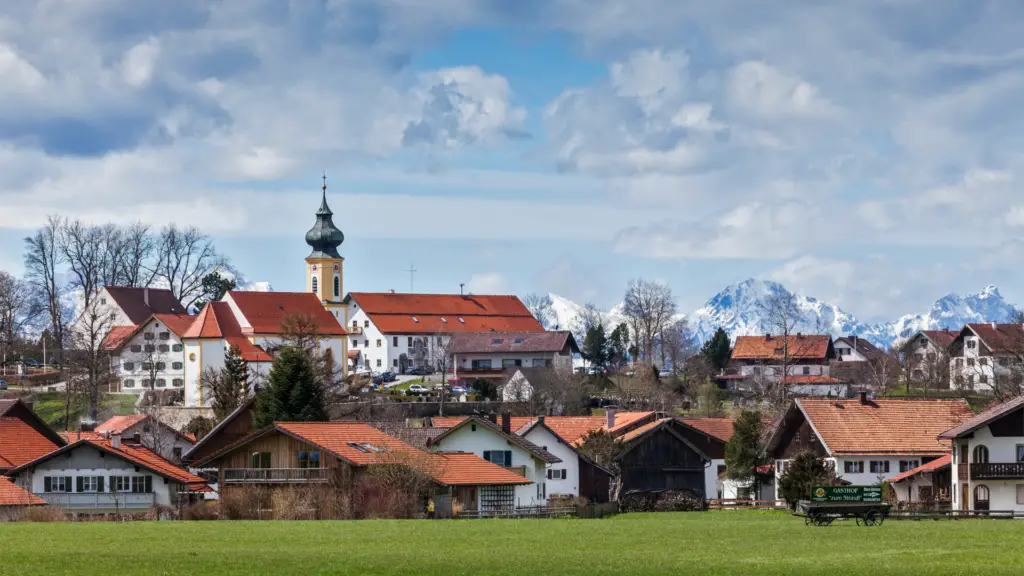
(595, 347)
(803, 473)
(618, 345)
(744, 453)
(234, 368)
(227, 387)
(293, 393)
(718, 350)
(214, 287)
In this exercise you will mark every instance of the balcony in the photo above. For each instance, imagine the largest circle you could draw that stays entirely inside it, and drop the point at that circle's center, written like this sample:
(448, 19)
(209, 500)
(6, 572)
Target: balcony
(354, 330)
(99, 500)
(1007, 471)
(274, 475)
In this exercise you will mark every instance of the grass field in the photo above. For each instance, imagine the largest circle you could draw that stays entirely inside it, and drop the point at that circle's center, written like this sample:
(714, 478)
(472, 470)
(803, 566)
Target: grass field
(728, 542)
(50, 407)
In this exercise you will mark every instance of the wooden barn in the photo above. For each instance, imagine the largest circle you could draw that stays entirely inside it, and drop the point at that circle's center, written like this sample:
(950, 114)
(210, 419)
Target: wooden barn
(657, 457)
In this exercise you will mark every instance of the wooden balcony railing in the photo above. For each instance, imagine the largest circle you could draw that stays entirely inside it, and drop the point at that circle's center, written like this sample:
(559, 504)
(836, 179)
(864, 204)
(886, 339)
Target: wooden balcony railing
(354, 330)
(520, 470)
(998, 471)
(274, 475)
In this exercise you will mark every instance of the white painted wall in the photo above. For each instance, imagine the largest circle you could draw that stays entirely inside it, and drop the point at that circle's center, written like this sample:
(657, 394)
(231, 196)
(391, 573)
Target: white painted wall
(773, 372)
(713, 487)
(570, 462)
(1002, 493)
(127, 365)
(465, 439)
(869, 478)
(162, 440)
(847, 353)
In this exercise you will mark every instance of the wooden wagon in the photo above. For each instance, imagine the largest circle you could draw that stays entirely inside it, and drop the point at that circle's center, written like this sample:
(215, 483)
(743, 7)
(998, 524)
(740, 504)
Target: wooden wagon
(830, 503)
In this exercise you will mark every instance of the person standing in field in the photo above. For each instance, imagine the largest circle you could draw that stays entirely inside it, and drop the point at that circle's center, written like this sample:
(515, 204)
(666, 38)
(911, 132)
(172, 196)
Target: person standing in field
(430, 508)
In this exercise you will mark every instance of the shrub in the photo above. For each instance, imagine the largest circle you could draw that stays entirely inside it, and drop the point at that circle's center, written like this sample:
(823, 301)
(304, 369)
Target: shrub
(245, 503)
(43, 514)
(198, 511)
(376, 500)
(666, 501)
(802, 474)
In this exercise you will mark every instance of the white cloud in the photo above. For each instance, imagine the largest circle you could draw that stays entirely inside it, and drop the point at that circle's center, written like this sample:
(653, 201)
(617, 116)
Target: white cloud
(139, 62)
(487, 283)
(764, 91)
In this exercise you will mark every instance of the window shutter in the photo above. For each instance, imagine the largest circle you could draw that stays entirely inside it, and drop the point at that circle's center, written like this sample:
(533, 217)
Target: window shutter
(46, 484)
(67, 483)
(99, 483)
(508, 457)
(549, 473)
(265, 459)
(79, 481)
(487, 455)
(149, 484)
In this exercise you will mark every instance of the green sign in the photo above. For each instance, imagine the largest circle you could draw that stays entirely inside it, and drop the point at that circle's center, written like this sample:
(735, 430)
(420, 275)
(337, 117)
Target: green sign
(846, 494)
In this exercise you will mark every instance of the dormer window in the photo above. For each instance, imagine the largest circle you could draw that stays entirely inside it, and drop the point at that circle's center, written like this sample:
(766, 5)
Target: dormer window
(518, 341)
(779, 351)
(496, 341)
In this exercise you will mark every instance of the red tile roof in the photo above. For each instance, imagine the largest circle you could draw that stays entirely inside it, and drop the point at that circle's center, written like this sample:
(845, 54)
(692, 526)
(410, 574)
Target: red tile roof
(13, 495)
(571, 429)
(1000, 338)
(992, 412)
(512, 437)
(133, 302)
(465, 469)
(941, 338)
(884, 426)
(118, 424)
(117, 336)
(801, 347)
(264, 311)
(21, 443)
(720, 428)
(638, 432)
(453, 421)
(205, 324)
(337, 438)
(216, 320)
(395, 313)
(120, 335)
(511, 342)
(932, 466)
(811, 380)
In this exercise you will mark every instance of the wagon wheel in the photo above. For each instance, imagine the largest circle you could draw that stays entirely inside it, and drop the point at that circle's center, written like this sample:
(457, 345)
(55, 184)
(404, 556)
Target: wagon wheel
(871, 518)
(860, 520)
(808, 520)
(827, 520)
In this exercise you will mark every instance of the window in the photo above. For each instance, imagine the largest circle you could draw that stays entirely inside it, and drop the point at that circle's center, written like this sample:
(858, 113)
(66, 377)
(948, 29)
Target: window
(853, 467)
(176, 453)
(971, 344)
(120, 483)
(177, 365)
(57, 484)
(136, 348)
(165, 335)
(541, 490)
(959, 363)
(517, 341)
(149, 336)
(309, 459)
(147, 382)
(394, 363)
(161, 365)
(149, 348)
(259, 460)
(128, 366)
(129, 383)
(983, 378)
(780, 467)
(496, 341)
(366, 323)
(366, 343)
(879, 466)
(161, 383)
(906, 465)
(807, 370)
(1020, 452)
(556, 474)
(970, 361)
(983, 361)
(176, 348)
(499, 457)
(410, 341)
(355, 343)
(164, 348)
(378, 342)
(541, 362)
(507, 363)
(316, 286)
(147, 366)
(481, 364)
(89, 484)
(394, 341)
(922, 343)
(142, 484)
(378, 362)
(178, 382)
(337, 286)
(779, 351)
(980, 455)
(439, 341)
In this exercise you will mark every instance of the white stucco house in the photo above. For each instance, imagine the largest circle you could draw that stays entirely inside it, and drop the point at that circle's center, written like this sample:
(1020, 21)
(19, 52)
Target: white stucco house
(988, 459)
(866, 440)
(123, 308)
(151, 355)
(397, 332)
(926, 355)
(108, 476)
(252, 322)
(982, 354)
(499, 445)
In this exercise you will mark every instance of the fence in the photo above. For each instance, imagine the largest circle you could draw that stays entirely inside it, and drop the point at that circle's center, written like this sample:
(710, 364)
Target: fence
(588, 511)
(945, 514)
(741, 504)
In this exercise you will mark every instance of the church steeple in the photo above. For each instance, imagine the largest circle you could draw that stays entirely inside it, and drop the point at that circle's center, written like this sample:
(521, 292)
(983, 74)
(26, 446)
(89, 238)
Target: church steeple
(324, 237)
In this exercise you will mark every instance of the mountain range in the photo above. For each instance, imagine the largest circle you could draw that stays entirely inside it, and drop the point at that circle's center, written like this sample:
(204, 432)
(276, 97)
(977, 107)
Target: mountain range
(739, 309)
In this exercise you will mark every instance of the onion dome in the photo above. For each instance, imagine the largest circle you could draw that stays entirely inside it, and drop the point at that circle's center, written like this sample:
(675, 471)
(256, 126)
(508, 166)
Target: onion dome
(324, 237)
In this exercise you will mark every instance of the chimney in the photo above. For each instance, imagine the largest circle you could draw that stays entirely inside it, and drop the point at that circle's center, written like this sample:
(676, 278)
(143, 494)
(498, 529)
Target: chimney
(115, 441)
(540, 419)
(145, 296)
(767, 337)
(610, 417)
(462, 288)
(391, 291)
(506, 422)
(86, 425)
(863, 397)
(493, 417)
(993, 325)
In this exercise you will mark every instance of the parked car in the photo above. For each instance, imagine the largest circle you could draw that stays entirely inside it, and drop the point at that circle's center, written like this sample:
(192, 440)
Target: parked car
(421, 371)
(417, 389)
(458, 390)
(384, 377)
(32, 364)
(3, 385)
(362, 371)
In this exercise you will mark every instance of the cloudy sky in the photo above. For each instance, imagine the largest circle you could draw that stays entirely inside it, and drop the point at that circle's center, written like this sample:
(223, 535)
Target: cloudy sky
(868, 153)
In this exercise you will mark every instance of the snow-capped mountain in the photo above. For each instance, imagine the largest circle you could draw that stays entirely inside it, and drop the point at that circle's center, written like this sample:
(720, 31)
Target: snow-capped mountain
(740, 309)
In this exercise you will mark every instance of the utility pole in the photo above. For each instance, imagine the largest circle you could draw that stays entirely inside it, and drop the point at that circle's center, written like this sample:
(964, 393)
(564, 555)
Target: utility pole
(412, 272)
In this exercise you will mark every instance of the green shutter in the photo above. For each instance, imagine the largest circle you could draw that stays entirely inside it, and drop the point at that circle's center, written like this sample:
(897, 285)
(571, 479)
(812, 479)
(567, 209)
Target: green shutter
(67, 483)
(46, 484)
(149, 484)
(487, 455)
(265, 459)
(79, 483)
(99, 483)
(508, 457)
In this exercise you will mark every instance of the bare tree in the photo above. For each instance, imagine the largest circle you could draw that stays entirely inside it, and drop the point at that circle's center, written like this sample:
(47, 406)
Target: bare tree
(183, 258)
(42, 265)
(780, 316)
(540, 307)
(17, 310)
(83, 248)
(90, 365)
(676, 344)
(649, 307)
(588, 317)
(137, 254)
(443, 361)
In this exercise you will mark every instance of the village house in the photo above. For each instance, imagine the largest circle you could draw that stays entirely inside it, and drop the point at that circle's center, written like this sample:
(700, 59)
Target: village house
(499, 445)
(124, 309)
(710, 435)
(23, 435)
(806, 358)
(926, 356)
(987, 458)
(866, 440)
(657, 457)
(287, 455)
(576, 475)
(170, 443)
(856, 349)
(493, 355)
(14, 500)
(987, 357)
(150, 355)
(399, 332)
(928, 485)
(109, 476)
(254, 323)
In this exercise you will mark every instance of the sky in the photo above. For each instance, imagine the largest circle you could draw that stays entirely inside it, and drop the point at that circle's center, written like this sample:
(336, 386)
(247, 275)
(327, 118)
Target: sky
(866, 153)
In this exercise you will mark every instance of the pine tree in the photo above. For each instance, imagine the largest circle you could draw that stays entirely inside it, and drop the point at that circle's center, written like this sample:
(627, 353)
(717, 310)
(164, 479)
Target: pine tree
(234, 368)
(804, 472)
(293, 393)
(595, 347)
(744, 453)
(618, 345)
(718, 350)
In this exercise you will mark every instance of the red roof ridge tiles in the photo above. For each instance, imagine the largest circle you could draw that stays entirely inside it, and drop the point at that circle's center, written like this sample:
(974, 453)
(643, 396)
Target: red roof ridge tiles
(13, 495)
(433, 313)
(21, 443)
(800, 346)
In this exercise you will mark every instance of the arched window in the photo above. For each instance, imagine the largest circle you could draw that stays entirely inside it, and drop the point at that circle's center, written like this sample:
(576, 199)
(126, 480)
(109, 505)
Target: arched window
(980, 455)
(315, 287)
(337, 286)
